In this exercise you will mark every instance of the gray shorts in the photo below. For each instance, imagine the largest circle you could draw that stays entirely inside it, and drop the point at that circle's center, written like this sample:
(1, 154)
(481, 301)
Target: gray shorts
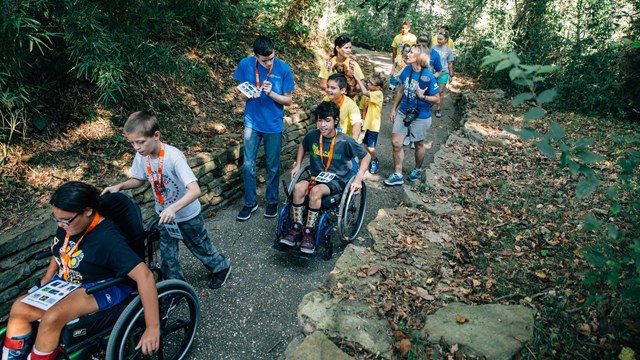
(417, 131)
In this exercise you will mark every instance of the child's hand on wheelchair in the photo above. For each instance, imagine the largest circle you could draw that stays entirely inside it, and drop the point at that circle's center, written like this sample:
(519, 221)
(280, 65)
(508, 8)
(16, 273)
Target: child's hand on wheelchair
(356, 185)
(150, 341)
(294, 171)
(167, 215)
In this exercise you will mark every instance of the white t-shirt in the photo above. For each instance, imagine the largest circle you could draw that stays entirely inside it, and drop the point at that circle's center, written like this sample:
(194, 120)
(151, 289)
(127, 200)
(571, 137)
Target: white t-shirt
(176, 175)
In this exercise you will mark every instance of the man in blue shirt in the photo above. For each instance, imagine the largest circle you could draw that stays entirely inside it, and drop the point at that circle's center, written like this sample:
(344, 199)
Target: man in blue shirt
(263, 115)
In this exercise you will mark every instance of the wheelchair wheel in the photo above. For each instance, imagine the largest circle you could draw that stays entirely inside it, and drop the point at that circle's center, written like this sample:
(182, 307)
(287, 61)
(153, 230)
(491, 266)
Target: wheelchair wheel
(303, 174)
(351, 213)
(179, 318)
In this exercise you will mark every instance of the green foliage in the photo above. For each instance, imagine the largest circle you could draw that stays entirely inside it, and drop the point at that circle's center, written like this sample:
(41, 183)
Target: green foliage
(595, 72)
(116, 49)
(615, 260)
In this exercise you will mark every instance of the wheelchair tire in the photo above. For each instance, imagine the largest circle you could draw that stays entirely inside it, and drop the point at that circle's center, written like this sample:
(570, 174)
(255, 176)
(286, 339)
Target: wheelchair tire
(303, 174)
(351, 212)
(179, 318)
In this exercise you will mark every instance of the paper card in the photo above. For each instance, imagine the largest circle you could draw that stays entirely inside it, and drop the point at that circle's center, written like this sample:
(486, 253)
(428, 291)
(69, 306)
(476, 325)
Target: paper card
(325, 177)
(173, 230)
(249, 90)
(50, 293)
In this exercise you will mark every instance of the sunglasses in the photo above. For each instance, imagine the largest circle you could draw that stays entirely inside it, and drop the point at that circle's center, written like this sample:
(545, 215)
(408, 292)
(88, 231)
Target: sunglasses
(64, 223)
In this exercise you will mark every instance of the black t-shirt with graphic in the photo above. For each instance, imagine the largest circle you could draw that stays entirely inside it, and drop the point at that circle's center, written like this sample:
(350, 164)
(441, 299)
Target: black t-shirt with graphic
(102, 254)
(344, 149)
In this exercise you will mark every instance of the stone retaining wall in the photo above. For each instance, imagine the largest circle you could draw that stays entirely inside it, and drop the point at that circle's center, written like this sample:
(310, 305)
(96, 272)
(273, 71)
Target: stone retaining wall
(219, 176)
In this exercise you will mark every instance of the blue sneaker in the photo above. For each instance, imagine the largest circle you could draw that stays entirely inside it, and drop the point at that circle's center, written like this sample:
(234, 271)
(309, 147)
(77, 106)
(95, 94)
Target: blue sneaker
(373, 166)
(394, 179)
(415, 174)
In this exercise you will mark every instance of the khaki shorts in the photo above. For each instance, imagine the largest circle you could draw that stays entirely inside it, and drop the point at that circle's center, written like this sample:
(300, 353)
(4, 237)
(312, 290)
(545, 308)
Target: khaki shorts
(417, 131)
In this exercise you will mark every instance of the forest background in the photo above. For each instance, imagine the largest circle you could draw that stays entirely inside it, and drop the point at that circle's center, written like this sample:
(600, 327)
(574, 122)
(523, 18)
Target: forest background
(71, 71)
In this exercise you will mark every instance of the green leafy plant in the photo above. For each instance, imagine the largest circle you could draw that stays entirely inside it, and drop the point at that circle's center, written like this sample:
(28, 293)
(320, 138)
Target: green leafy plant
(615, 260)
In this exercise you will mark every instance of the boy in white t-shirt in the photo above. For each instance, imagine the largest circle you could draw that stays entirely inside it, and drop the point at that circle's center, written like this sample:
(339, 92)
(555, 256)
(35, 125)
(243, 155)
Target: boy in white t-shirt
(176, 191)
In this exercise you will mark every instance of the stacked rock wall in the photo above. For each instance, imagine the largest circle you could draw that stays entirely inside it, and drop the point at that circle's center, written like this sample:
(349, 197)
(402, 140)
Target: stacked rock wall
(219, 176)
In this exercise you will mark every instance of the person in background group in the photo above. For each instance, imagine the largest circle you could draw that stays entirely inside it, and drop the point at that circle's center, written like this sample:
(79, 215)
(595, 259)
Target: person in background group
(341, 55)
(434, 39)
(372, 92)
(396, 69)
(397, 57)
(411, 114)
(263, 116)
(350, 119)
(446, 57)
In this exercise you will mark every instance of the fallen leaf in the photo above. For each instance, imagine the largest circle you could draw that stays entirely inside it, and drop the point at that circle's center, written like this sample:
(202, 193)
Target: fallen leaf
(540, 274)
(374, 269)
(404, 346)
(584, 329)
(461, 319)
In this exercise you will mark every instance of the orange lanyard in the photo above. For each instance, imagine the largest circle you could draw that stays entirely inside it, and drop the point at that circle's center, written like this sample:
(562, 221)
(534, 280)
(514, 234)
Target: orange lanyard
(157, 185)
(65, 257)
(330, 156)
(258, 75)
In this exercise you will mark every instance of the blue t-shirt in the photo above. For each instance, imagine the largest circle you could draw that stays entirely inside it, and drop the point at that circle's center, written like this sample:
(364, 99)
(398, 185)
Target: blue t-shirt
(435, 64)
(410, 81)
(264, 114)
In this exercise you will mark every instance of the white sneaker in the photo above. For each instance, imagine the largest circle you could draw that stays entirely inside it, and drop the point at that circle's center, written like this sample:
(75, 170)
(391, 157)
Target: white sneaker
(406, 141)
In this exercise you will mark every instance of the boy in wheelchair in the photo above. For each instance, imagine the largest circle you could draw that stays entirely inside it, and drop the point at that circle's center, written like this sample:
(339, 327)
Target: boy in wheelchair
(330, 156)
(87, 249)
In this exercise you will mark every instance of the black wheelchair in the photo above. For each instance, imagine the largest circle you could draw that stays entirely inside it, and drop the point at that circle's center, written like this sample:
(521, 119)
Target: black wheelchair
(117, 330)
(341, 213)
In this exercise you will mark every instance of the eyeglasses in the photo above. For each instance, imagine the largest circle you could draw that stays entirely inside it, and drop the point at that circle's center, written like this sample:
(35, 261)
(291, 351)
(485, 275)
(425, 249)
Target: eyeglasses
(64, 223)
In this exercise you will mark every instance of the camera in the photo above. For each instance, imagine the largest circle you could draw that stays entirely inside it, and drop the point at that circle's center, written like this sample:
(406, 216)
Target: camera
(410, 116)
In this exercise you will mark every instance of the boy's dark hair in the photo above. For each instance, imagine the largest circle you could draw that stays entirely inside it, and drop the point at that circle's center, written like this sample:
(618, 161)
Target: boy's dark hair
(405, 23)
(339, 42)
(445, 27)
(379, 78)
(141, 122)
(326, 109)
(340, 79)
(263, 46)
(75, 196)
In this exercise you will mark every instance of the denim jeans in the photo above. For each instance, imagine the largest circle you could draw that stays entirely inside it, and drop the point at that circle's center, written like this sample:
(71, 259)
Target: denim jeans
(196, 238)
(272, 149)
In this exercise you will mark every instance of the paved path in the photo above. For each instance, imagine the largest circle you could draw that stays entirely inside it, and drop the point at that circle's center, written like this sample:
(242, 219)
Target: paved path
(254, 315)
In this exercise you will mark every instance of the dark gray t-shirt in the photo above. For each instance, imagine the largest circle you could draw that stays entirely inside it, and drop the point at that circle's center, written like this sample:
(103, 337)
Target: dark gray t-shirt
(344, 150)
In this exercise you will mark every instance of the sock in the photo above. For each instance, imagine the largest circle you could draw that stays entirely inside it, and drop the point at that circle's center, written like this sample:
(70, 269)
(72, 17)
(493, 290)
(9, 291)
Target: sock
(16, 350)
(298, 213)
(312, 218)
(38, 355)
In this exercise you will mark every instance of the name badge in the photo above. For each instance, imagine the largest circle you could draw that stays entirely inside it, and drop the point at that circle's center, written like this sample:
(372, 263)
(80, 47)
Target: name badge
(325, 177)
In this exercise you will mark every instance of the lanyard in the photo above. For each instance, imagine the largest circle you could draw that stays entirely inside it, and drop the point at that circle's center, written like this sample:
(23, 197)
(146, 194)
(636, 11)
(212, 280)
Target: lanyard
(65, 257)
(333, 142)
(258, 75)
(157, 185)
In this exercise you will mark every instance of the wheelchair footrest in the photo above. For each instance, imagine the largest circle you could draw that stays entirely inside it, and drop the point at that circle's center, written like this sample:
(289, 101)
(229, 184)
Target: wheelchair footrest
(293, 251)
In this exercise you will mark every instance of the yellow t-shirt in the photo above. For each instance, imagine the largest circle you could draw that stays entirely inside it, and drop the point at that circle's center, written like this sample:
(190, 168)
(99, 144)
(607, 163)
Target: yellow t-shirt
(349, 114)
(374, 111)
(434, 41)
(400, 40)
(327, 66)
